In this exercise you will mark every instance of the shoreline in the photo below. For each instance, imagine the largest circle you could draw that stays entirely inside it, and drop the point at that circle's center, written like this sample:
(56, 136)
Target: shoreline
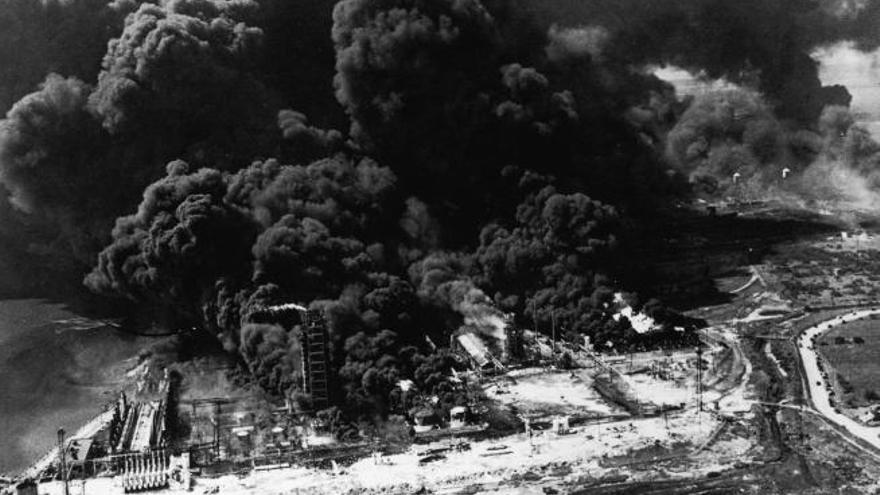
(59, 368)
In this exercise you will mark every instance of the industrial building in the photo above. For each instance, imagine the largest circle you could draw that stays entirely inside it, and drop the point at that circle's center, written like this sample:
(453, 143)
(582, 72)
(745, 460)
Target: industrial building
(489, 346)
(313, 339)
(130, 442)
(137, 427)
(478, 355)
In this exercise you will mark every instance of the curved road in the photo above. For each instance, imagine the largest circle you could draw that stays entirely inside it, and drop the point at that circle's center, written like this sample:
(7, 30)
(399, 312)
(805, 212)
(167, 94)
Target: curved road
(819, 386)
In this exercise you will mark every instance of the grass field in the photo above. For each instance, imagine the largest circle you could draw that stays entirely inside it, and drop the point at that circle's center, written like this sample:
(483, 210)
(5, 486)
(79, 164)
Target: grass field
(853, 350)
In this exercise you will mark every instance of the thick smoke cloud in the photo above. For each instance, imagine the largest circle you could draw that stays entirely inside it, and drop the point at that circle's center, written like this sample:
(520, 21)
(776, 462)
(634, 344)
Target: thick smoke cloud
(732, 145)
(304, 250)
(491, 156)
(271, 354)
(296, 58)
(766, 44)
(847, 166)
(56, 161)
(436, 91)
(216, 249)
(726, 133)
(425, 48)
(48, 142)
(182, 238)
(41, 36)
(548, 262)
(177, 82)
(304, 141)
(183, 70)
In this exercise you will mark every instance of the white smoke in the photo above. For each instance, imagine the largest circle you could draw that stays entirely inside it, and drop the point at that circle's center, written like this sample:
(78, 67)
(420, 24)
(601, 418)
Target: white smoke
(285, 307)
(640, 322)
(479, 312)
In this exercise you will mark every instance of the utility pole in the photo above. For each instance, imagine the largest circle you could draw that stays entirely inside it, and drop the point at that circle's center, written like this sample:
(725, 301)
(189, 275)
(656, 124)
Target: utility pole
(62, 458)
(215, 420)
(553, 323)
(700, 377)
(535, 316)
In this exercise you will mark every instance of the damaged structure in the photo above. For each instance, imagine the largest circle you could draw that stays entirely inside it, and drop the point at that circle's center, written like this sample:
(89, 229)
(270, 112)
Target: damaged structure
(489, 343)
(138, 426)
(314, 349)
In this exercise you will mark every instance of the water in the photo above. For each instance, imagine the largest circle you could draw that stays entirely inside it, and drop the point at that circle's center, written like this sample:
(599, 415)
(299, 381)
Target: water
(53, 373)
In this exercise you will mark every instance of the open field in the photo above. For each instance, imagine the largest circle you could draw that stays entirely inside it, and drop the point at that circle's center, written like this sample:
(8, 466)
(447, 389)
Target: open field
(815, 275)
(538, 392)
(853, 351)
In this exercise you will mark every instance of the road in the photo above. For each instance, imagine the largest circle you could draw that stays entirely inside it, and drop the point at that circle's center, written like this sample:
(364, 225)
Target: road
(730, 392)
(819, 387)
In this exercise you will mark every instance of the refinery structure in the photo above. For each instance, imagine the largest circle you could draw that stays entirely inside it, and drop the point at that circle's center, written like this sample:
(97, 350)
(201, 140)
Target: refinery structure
(137, 444)
(533, 406)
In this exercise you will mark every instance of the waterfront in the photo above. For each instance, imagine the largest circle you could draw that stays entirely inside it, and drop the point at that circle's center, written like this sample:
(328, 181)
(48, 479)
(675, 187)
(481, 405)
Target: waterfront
(57, 370)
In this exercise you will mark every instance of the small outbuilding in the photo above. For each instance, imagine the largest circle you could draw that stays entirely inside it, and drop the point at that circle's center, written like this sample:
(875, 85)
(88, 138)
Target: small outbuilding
(458, 417)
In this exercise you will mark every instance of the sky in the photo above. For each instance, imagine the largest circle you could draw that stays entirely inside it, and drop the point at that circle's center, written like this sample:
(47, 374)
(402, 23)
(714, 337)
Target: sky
(841, 63)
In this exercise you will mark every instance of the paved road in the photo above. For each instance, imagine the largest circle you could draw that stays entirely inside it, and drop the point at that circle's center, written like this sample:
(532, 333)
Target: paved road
(819, 386)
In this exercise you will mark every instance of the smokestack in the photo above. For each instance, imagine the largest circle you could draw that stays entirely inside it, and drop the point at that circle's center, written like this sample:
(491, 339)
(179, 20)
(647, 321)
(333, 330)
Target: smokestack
(62, 460)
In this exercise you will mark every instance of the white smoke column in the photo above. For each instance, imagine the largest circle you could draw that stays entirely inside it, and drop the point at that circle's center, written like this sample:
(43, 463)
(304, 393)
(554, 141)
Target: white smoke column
(283, 307)
(566, 42)
(844, 187)
(479, 311)
(640, 322)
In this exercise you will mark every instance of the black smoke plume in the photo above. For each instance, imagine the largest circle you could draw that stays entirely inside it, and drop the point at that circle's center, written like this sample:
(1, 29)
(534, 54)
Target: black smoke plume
(405, 166)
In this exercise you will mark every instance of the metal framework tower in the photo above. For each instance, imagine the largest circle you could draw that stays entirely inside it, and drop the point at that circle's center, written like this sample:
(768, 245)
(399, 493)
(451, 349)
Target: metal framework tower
(316, 358)
(314, 339)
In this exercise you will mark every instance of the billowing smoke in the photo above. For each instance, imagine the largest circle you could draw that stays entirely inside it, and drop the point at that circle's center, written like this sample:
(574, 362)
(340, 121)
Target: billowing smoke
(177, 82)
(766, 44)
(553, 260)
(732, 145)
(442, 280)
(68, 37)
(727, 136)
(272, 356)
(182, 71)
(435, 91)
(48, 148)
(406, 166)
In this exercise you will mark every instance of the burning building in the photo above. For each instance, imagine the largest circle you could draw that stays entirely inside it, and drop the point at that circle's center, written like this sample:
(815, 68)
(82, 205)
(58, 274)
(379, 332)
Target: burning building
(490, 340)
(475, 350)
(314, 349)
